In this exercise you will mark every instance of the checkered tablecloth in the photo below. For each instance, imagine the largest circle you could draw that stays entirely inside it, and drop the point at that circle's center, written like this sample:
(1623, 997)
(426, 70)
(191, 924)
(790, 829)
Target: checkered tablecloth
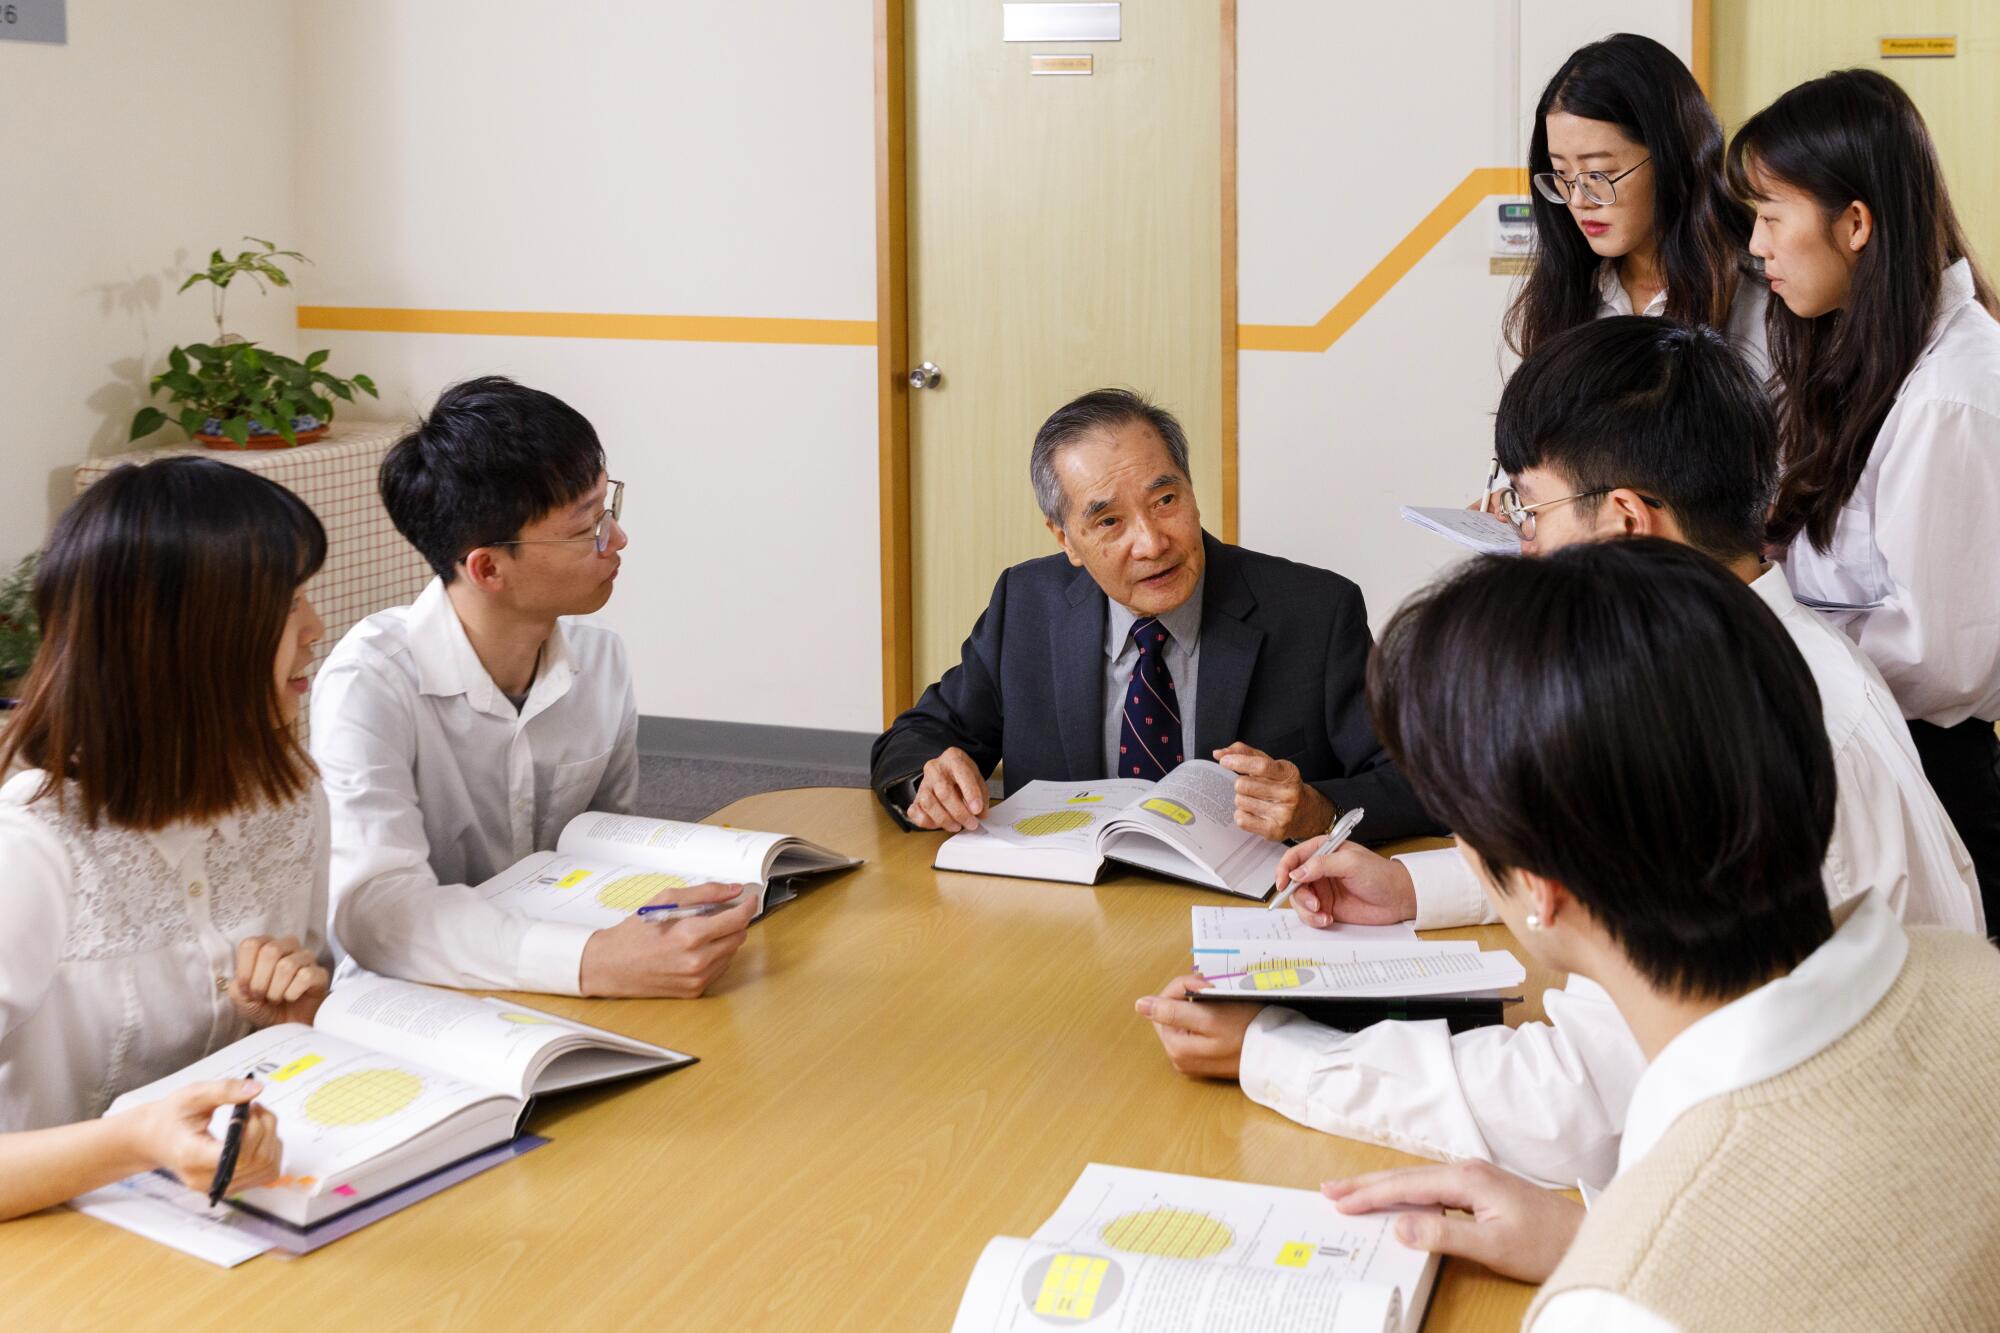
(368, 564)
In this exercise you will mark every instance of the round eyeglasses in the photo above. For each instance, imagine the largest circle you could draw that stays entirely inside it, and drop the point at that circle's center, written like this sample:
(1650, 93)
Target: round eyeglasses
(1523, 516)
(607, 523)
(1595, 186)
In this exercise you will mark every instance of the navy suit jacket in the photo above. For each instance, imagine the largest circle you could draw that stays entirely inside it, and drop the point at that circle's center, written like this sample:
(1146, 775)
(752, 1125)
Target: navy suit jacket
(1284, 649)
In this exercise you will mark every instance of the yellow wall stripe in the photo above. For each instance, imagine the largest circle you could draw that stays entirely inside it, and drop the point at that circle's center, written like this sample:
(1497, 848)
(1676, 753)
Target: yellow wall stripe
(554, 324)
(1478, 184)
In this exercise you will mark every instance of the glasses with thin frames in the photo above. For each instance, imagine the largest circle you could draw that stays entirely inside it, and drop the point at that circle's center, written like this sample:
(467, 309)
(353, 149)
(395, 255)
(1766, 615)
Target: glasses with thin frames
(601, 534)
(1523, 516)
(1597, 187)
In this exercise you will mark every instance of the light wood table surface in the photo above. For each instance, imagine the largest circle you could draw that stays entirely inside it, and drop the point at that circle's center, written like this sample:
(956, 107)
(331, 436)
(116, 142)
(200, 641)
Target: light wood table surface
(899, 1066)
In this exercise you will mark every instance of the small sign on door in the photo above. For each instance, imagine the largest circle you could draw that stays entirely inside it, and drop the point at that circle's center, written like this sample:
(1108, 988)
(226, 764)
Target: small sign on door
(1047, 64)
(34, 21)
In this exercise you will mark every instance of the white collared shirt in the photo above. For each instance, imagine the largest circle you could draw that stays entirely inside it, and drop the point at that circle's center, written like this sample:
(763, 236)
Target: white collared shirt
(1758, 1036)
(118, 946)
(1121, 656)
(1548, 1100)
(1746, 314)
(437, 783)
(1915, 542)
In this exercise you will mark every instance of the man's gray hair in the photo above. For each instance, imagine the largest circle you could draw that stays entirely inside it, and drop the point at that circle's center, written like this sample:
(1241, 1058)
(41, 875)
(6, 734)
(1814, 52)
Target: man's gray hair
(1100, 409)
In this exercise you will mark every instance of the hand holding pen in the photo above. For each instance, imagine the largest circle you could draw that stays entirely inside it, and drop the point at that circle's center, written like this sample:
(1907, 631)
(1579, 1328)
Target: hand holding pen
(1335, 836)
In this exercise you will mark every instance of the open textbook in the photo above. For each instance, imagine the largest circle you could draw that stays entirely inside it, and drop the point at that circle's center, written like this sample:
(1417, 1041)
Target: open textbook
(1156, 1253)
(605, 867)
(1273, 955)
(395, 1080)
(1184, 825)
(1486, 533)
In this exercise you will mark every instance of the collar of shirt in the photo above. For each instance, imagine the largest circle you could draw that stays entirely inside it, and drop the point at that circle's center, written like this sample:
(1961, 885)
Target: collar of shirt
(1776, 1027)
(1183, 622)
(175, 841)
(1613, 299)
(447, 664)
(1954, 291)
(1775, 592)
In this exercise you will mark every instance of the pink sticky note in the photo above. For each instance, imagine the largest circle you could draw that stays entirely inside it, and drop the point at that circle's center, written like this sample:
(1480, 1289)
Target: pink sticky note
(344, 1189)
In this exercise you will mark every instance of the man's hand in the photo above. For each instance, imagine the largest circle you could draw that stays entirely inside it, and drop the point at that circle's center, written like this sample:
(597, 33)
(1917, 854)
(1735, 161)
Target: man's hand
(1516, 1229)
(1203, 1040)
(173, 1133)
(1352, 885)
(1272, 800)
(680, 958)
(277, 981)
(952, 795)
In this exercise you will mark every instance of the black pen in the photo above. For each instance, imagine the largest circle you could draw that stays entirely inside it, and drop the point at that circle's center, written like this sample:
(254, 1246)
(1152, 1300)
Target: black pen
(232, 1144)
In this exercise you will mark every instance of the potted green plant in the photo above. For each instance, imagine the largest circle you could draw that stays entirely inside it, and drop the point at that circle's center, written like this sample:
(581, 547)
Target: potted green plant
(20, 634)
(233, 394)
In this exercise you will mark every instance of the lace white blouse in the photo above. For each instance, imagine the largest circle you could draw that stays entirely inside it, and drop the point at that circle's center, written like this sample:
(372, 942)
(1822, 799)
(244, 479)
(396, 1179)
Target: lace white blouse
(116, 947)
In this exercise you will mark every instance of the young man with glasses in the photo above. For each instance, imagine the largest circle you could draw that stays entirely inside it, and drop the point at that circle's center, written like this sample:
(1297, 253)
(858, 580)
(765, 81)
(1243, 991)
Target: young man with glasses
(1624, 427)
(460, 733)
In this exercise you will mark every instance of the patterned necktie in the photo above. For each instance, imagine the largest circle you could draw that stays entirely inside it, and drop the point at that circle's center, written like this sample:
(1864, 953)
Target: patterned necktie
(1149, 737)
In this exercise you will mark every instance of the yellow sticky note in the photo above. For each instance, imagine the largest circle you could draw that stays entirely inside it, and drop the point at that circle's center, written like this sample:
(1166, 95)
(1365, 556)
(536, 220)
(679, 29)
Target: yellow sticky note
(1069, 1289)
(572, 879)
(1173, 810)
(1295, 1254)
(1274, 978)
(295, 1068)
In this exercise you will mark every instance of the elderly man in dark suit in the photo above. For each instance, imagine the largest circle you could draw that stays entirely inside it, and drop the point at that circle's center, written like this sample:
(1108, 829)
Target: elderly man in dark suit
(1145, 641)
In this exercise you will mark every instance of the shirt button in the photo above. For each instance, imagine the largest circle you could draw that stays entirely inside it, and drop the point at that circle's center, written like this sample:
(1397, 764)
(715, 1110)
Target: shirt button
(194, 889)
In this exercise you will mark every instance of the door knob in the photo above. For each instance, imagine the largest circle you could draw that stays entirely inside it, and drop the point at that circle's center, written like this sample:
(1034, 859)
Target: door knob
(926, 376)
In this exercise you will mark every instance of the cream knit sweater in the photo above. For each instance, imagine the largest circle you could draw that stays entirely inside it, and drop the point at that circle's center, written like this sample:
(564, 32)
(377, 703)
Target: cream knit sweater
(1859, 1190)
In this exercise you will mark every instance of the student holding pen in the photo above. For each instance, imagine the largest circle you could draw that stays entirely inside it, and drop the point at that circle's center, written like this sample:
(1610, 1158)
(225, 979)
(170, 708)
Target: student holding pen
(1888, 354)
(166, 844)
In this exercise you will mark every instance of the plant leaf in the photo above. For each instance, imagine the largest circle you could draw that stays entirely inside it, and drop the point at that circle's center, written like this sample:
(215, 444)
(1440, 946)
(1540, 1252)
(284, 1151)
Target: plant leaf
(148, 420)
(314, 360)
(238, 429)
(366, 385)
(177, 360)
(192, 419)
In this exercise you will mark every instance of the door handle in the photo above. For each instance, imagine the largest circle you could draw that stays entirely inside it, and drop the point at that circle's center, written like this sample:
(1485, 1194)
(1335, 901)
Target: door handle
(926, 376)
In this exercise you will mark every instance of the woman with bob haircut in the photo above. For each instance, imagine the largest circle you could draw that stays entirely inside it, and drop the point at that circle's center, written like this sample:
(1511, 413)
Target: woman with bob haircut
(1888, 359)
(166, 845)
(1650, 810)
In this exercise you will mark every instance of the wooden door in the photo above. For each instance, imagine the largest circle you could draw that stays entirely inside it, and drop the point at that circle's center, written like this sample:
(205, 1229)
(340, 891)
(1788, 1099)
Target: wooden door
(1064, 233)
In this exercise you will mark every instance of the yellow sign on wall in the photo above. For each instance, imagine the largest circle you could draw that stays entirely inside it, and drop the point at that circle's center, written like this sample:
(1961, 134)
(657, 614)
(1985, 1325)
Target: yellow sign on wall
(1919, 48)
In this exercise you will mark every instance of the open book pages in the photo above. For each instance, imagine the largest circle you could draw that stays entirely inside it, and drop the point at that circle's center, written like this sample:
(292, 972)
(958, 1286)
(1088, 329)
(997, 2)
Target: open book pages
(605, 867)
(1144, 1250)
(1183, 826)
(395, 1080)
(1281, 956)
(1488, 534)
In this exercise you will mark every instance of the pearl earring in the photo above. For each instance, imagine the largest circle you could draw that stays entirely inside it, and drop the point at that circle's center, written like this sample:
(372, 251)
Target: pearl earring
(1533, 921)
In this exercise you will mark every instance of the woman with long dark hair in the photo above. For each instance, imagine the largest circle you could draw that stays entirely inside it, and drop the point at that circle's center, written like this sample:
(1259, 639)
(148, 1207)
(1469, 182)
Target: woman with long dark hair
(166, 847)
(1887, 358)
(1632, 213)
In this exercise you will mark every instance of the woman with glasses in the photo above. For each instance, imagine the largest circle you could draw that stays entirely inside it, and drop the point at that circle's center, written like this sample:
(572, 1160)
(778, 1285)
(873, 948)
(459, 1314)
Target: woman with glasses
(165, 840)
(1632, 215)
(1887, 350)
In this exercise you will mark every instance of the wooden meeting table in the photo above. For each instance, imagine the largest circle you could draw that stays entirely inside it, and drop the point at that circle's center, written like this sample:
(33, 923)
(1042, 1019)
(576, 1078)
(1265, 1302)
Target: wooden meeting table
(898, 1066)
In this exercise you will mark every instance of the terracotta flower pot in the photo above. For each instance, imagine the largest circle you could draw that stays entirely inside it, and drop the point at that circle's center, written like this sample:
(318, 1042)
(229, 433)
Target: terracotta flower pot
(305, 429)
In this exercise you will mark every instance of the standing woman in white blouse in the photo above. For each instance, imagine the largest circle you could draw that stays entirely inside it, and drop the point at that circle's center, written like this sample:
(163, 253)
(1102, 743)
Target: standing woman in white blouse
(1632, 213)
(166, 847)
(1888, 358)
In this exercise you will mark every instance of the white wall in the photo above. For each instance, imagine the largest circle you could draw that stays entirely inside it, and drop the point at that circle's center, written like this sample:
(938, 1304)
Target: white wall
(673, 159)
(158, 133)
(1353, 122)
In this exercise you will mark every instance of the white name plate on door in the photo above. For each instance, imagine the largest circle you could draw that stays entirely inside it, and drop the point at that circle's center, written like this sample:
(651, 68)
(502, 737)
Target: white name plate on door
(1059, 23)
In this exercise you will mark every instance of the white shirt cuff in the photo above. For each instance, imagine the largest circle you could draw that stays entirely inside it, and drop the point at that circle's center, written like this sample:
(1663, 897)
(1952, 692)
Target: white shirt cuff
(1447, 892)
(551, 960)
(1262, 1066)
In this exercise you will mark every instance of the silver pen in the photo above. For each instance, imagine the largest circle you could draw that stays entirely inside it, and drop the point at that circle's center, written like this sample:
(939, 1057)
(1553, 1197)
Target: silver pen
(1335, 836)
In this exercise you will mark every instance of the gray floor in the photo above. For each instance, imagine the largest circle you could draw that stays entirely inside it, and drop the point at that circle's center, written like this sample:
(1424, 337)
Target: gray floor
(674, 788)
